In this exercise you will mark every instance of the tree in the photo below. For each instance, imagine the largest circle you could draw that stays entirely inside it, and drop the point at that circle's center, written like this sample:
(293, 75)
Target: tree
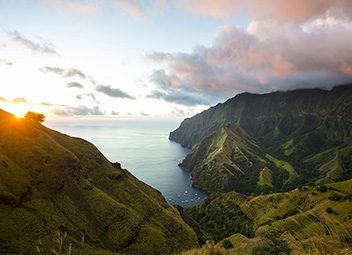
(35, 116)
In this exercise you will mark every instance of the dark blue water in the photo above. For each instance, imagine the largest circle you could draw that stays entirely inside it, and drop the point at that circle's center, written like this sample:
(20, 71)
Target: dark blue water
(142, 147)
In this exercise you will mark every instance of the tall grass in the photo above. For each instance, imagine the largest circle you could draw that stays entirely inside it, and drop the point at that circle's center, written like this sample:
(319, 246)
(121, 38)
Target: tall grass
(60, 246)
(337, 240)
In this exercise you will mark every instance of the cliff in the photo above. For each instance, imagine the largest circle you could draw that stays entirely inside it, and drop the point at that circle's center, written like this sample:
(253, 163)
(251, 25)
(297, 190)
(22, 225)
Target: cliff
(270, 142)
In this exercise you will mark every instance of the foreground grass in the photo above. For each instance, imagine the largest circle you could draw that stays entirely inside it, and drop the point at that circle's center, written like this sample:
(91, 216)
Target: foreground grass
(307, 220)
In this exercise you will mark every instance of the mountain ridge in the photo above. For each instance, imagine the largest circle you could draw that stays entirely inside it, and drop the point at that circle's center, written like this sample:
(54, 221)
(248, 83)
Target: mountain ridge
(280, 132)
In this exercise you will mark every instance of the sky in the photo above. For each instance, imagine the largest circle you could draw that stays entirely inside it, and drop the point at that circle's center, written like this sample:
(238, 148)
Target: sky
(165, 58)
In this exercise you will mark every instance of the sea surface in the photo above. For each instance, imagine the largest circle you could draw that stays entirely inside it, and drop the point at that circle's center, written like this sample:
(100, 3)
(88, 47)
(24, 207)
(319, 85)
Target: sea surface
(142, 147)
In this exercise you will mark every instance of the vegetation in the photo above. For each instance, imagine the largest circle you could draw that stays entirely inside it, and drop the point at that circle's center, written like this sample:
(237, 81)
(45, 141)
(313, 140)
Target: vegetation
(281, 164)
(289, 156)
(208, 249)
(50, 181)
(227, 244)
(34, 116)
(272, 142)
(265, 178)
(294, 222)
(221, 217)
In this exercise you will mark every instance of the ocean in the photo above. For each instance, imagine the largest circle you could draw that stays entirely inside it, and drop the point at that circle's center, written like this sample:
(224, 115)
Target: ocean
(142, 147)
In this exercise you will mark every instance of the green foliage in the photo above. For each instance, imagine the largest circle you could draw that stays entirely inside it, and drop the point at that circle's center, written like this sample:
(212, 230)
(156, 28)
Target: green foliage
(348, 197)
(209, 248)
(281, 164)
(329, 210)
(51, 181)
(61, 246)
(322, 188)
(283, 222)
(335, 197)
(34, 116)
(284, 132)
(227, 244)
(265, 178)
(222, 217)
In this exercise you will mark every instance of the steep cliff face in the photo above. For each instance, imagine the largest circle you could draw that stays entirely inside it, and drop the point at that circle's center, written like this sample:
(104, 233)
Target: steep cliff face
(53, 182)
(270, 142)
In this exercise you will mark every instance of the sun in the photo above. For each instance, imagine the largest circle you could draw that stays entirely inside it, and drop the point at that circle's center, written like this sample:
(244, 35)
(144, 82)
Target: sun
(19, 110)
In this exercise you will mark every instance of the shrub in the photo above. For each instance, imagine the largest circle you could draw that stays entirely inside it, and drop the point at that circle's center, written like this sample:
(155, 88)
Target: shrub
(329, 210)
(335, 197)
(322, 188)
(227, 244)
(260, 249)
(348, 197)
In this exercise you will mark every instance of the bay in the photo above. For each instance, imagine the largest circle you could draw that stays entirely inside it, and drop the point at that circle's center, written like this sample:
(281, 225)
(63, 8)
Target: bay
(142, 147)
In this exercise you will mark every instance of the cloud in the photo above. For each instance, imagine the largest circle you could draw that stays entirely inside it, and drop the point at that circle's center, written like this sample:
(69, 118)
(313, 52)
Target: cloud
(42, 46)
(5, 62)
(73, 72)
(178, 112)
(66, 73)
(88, 95)
(74, 85)
(178, 97)
(75, 7)
(2, 99)
(266, 56)
(47, 104)
(112, 92)
(170, 90)
(144, 114)
(136, 8)
(298, 10)
(79, 110)
(139, 8)
(19, 100)
(93, 97)
(132, 7)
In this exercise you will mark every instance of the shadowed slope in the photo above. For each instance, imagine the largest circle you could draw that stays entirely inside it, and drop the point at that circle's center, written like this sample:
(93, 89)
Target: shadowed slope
(289, 138)
(50, 181)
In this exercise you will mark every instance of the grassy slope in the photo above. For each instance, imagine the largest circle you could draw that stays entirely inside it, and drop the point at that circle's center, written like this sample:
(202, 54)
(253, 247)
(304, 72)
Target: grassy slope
(50, 182)
(265, 178)
(223, 159)
(291, 133)
(296, 219)
(292, 174)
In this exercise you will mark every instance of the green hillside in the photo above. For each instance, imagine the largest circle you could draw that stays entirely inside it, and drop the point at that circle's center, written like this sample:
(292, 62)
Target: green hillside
(52, 183)
(307, 220)
(270, 142)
